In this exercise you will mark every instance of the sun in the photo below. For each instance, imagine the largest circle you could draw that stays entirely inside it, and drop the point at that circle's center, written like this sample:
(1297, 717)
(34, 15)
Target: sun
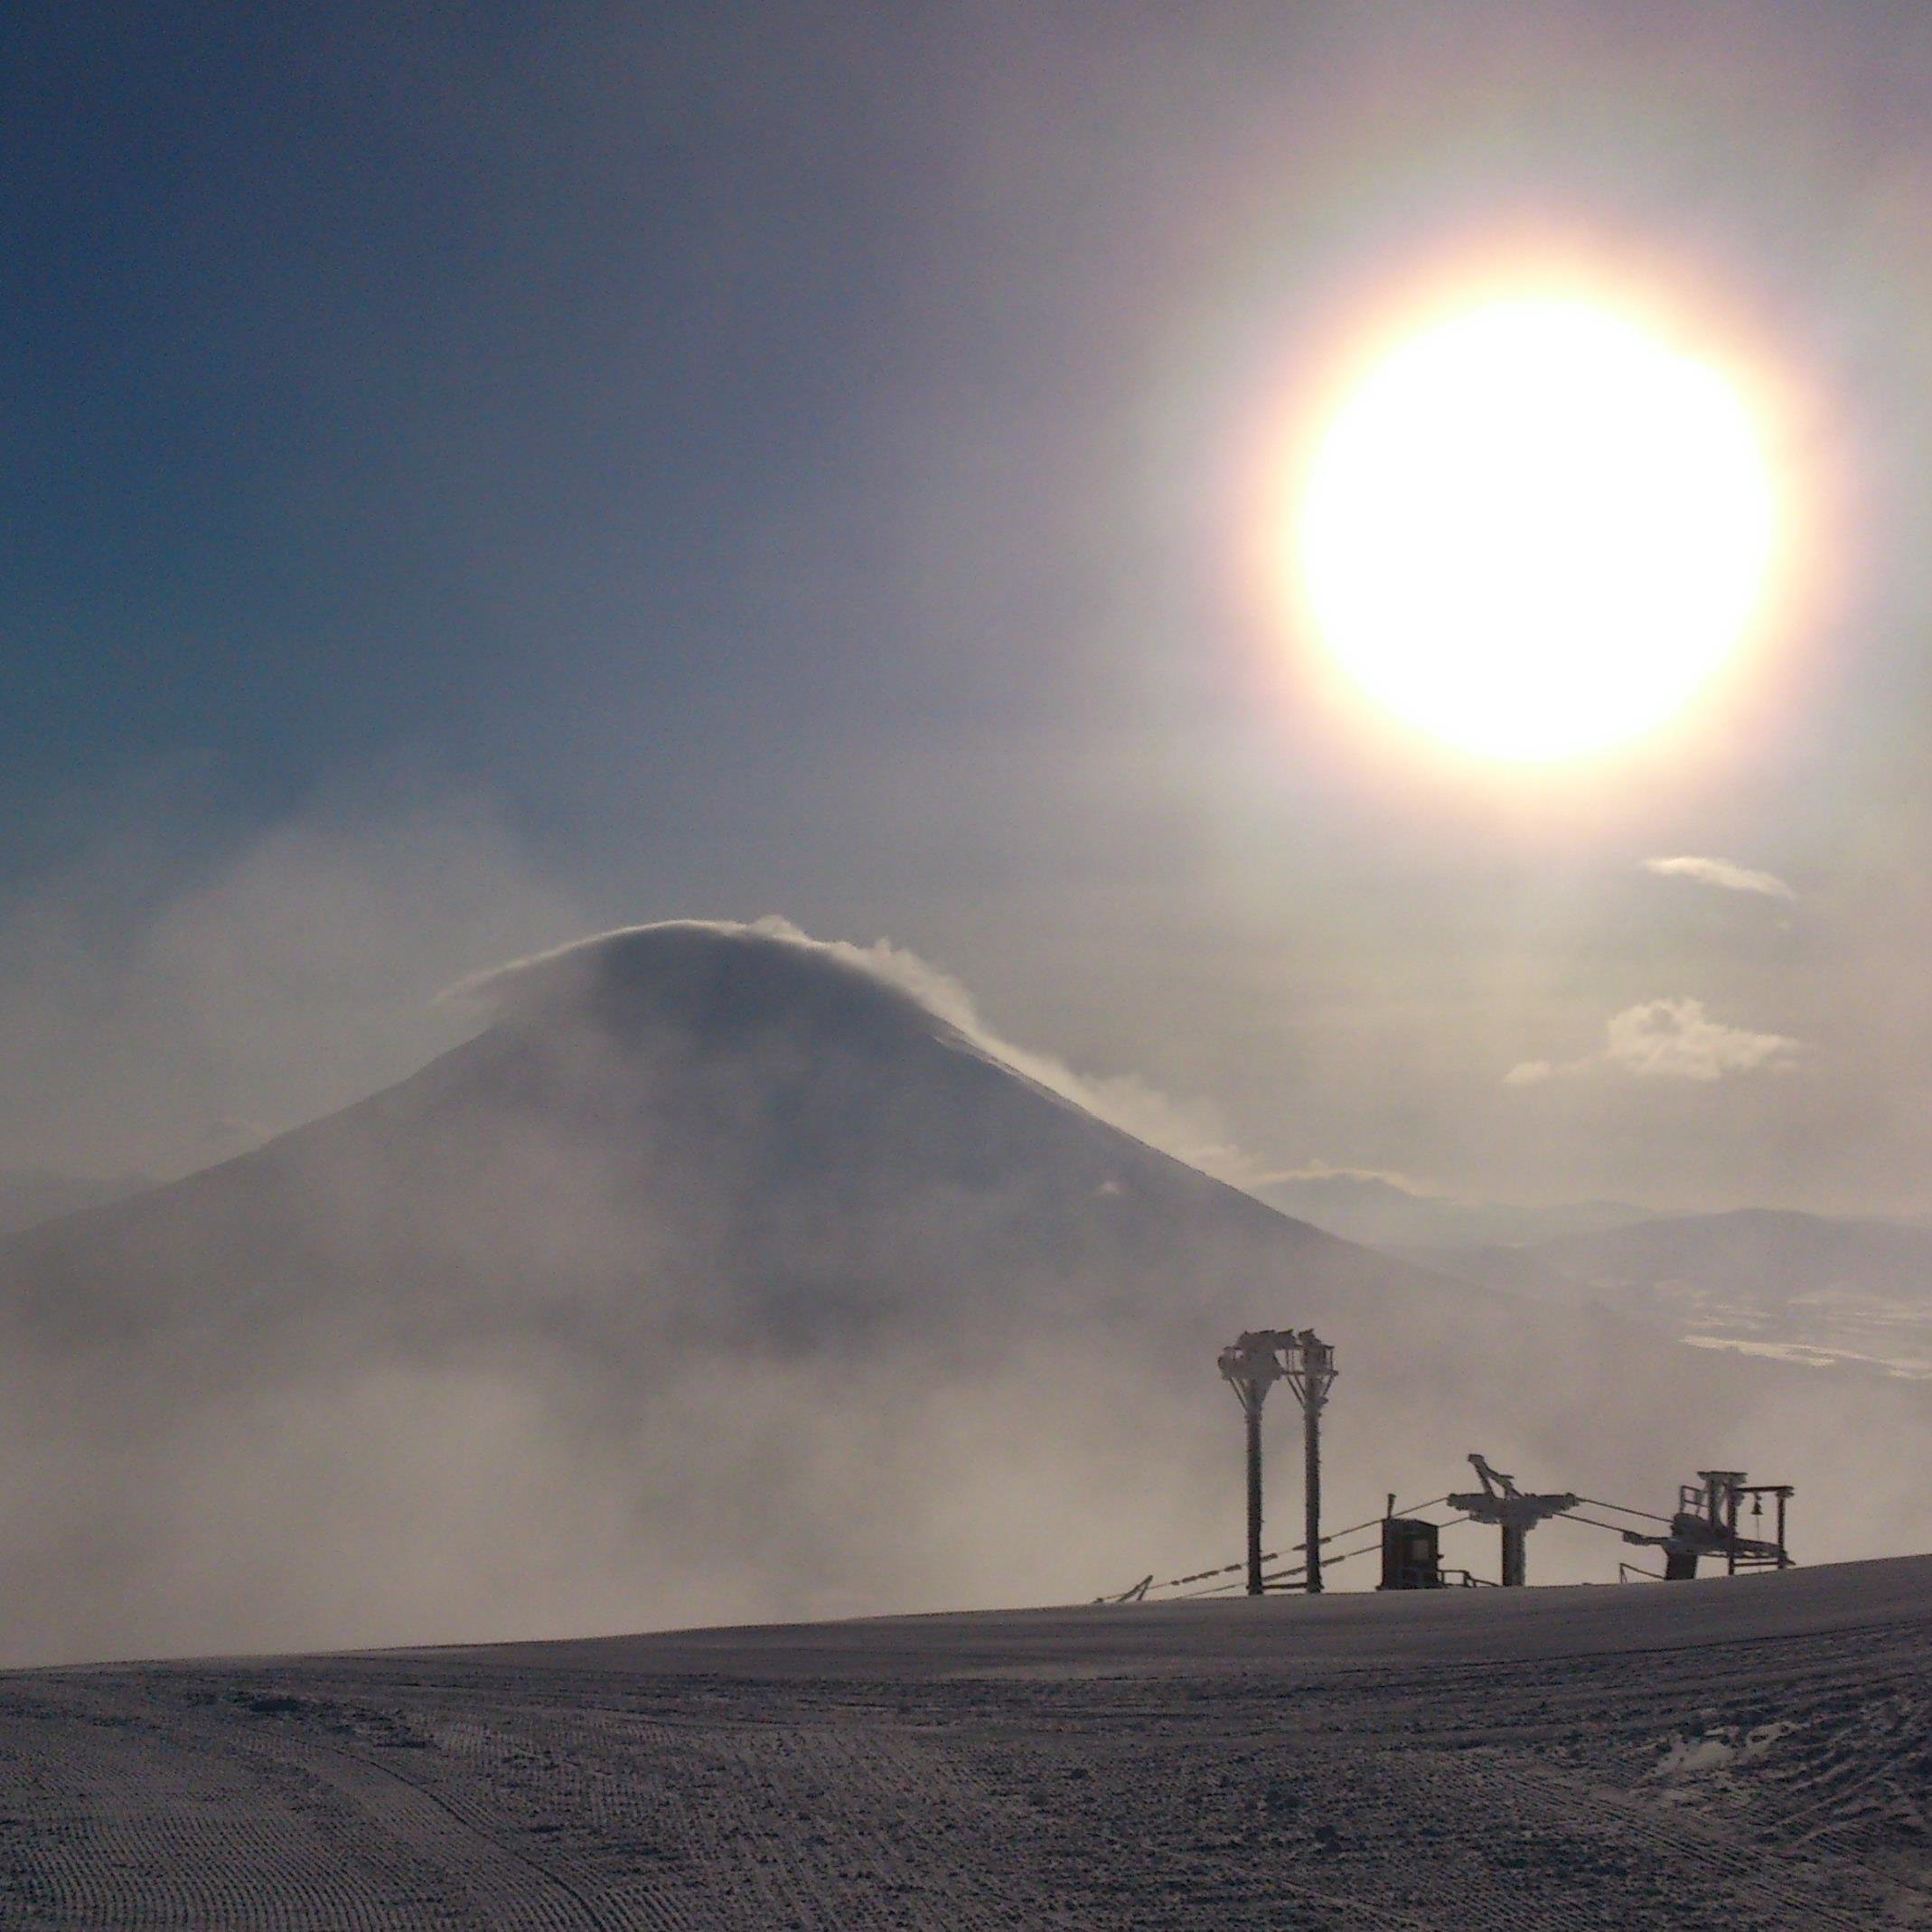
(1534, 527)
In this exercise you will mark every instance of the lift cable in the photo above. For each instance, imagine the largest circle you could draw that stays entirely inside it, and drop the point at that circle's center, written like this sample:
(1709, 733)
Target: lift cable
(1279, 1578)
(1615, 1529)
(1300, 1570)
(1271, 1556)
(1622, 1509)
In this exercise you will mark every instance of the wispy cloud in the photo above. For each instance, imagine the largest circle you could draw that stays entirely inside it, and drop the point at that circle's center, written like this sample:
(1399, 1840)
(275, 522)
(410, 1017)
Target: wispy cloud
(1722, 874)
(1528, 1073)
(1669, 1039)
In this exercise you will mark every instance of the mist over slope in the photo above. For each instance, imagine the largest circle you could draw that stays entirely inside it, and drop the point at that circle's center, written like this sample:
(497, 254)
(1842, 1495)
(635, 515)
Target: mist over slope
(28, 1198)
(724, 1275)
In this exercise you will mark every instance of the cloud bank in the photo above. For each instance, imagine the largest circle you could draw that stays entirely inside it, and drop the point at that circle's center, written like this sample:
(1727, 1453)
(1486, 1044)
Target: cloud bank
(1722, 874)
(1669, 1039)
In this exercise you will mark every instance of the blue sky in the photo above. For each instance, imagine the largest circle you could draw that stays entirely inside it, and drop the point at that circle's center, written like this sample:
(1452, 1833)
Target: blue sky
(729, 460)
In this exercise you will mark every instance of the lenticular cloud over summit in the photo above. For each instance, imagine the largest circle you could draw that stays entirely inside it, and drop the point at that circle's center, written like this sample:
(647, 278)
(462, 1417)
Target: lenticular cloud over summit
(720, 960)
(655, 960)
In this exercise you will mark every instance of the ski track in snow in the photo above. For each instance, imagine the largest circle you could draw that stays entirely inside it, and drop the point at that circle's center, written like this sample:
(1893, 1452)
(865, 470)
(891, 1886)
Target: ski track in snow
(1756, 1754)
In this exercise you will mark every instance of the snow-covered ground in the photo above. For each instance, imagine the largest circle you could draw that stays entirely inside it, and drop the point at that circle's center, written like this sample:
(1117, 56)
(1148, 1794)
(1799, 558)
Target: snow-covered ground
(1744, 1754)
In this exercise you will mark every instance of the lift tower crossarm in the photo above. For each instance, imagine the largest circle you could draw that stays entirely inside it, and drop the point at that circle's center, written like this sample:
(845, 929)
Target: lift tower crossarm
(1513, 1512)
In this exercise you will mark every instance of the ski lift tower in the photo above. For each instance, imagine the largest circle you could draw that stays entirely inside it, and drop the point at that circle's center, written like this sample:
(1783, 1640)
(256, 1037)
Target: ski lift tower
(1311, 1374)
(1515, 1514)
(1251, 1366)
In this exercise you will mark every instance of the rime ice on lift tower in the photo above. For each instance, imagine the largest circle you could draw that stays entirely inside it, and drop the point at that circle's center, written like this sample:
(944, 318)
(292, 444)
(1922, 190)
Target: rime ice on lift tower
(1500, 1502)
(1706, 1524)
(1251, 1366)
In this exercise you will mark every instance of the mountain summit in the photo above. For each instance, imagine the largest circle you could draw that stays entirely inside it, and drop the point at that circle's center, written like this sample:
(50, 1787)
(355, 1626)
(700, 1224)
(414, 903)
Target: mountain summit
(729, 1129)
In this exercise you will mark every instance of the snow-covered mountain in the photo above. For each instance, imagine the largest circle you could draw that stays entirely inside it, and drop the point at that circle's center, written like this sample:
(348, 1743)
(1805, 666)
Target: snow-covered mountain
(1807, 1288)
(722, 1275)
(1385, 1213)
(759, 1141)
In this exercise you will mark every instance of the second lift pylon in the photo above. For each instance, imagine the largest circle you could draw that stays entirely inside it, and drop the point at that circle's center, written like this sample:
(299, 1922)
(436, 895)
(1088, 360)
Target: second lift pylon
(1251, 1366)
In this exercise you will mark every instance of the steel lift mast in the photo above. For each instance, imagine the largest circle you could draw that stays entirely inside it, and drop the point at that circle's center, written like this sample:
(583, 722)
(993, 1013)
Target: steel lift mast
(1251, 1366)
(1500, 1502)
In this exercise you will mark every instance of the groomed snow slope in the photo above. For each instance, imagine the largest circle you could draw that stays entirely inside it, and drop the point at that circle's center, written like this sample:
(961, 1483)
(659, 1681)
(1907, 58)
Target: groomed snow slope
(1746, 1754)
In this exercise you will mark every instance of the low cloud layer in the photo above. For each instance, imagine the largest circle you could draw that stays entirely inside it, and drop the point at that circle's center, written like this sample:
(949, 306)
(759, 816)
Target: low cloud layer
(1722, 874)
(157, 1031)
(1669, 1039)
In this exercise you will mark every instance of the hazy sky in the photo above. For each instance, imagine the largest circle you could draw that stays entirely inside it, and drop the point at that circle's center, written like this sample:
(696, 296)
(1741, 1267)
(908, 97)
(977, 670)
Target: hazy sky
(477, 474)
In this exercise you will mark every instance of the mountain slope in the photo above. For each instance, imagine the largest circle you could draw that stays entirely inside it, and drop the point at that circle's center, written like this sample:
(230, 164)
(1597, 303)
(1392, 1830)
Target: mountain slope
(722, 1277)
(29, 1198)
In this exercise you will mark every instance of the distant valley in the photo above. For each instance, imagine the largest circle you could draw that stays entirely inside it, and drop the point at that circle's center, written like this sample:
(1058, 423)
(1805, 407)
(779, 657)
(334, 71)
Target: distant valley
(1804, 1289)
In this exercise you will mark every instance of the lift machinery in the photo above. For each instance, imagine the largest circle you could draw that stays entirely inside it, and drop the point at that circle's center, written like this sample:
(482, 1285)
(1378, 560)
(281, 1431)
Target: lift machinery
(1706, 1524)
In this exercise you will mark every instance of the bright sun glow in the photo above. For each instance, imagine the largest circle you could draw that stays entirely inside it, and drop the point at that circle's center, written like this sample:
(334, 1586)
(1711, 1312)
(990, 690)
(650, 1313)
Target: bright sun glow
(1535, 529)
